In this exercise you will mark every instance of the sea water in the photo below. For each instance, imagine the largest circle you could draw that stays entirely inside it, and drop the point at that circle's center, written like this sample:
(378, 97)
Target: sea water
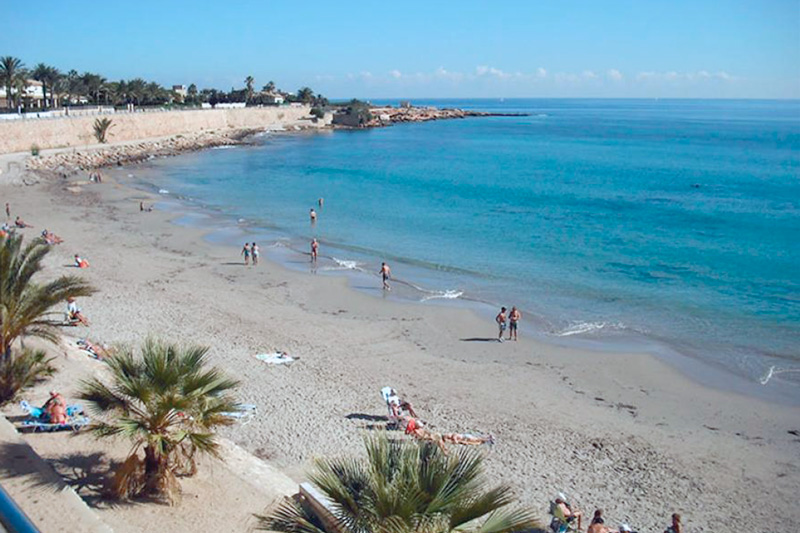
(674, 222)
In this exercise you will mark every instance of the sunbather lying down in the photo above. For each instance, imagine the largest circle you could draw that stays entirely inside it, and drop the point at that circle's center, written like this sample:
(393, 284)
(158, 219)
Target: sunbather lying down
(414, 428)
(98, 351)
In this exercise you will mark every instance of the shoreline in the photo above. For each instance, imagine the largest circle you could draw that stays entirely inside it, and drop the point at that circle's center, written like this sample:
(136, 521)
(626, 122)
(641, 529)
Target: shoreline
(612, 430)
(704, 372)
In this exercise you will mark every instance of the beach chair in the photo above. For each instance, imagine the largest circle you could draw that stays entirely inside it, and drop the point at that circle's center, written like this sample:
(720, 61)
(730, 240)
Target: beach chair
(390, 397)
(37, 413)
(559, 523)
(38, 419)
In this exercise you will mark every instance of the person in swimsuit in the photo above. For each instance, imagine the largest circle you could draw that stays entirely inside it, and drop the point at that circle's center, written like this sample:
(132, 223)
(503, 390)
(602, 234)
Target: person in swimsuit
(414, 428)
(567, 511)
(676, 526)
(254, 251)
(21, 223)
(501, 323)
(513, 318)
(313, 215)
(598, 524)
(386, 274)
(314, 250)
(81, 263)
(8, 210)
(320, 202)
(246, 253)
(74, 313)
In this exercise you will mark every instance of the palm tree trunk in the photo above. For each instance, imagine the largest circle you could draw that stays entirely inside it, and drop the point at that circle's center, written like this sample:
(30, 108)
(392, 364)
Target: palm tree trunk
(154, 471)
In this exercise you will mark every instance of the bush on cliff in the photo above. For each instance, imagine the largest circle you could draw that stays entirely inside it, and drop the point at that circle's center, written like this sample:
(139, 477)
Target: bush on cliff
(101, 127)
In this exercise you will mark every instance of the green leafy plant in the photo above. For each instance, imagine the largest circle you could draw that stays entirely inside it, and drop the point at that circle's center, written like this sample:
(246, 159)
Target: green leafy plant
(167, 402)
(403, 487)
(101, 127)
(34, 150)
(25, 310)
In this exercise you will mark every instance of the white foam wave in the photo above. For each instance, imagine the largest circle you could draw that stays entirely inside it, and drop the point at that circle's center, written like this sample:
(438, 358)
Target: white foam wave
(442, 295)
(344, 264)
(775, 370)
(580, 328)
(222, 147)
(163, 191)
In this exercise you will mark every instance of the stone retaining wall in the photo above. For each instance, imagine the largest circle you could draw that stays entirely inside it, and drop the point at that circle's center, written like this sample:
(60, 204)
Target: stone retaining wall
(20, 135)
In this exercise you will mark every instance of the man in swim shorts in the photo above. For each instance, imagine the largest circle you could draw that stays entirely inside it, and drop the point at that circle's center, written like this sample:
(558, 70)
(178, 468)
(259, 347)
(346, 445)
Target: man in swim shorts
(513, 319)
(501, 323)
(314, 250)
(246, 253)
(386, 274)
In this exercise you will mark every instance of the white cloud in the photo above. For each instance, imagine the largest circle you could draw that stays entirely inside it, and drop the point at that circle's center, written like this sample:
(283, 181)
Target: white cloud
(674, 76)
(541, 73)
(484, 70)
(443, 73)
(589, 75)
(396, 74)
(614, 74)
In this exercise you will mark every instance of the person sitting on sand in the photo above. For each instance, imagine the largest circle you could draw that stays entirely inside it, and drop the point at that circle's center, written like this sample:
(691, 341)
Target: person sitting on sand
(598, 524)
(18, 222)
(81, 263)
(143, 208)
(676, 526)
(566, 510)
(74, 313)
(625, 528)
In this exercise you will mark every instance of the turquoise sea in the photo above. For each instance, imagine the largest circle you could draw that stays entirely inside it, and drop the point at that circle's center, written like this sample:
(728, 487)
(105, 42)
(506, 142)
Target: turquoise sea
(665, 225)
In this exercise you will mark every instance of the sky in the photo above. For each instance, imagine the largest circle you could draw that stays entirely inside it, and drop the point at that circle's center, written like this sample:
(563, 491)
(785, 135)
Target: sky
(419, 49)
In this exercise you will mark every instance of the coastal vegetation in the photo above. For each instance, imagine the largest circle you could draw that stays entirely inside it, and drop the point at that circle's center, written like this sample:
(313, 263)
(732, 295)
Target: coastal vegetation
(167, 402)
(61, 89)
(25, 310)
(101, 127)
(402, 487)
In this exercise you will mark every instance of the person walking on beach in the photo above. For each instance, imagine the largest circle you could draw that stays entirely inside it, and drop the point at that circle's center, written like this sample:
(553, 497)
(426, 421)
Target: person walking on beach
(314, 250)
(246, 253)
(676, 526)
(501, 323)
(8, 211)
(313, 215)
(386, 274)
(254, 251)
(513, 319)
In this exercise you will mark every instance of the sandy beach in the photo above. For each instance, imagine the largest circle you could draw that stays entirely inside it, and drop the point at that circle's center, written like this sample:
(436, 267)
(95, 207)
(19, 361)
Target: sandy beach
(623, 432)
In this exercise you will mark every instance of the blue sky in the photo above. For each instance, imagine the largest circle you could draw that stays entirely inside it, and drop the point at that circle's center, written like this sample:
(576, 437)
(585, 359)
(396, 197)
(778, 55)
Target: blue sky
(466, 48)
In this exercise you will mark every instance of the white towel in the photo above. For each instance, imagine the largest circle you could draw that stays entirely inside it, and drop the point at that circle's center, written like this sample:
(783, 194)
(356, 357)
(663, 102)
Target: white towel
(274, 358)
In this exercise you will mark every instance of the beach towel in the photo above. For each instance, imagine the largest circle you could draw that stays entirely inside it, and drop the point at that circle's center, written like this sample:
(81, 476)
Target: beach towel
(275, 358)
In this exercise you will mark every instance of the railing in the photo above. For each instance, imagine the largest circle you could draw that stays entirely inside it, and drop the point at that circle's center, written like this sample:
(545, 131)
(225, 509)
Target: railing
(12, 518)
(71, 111)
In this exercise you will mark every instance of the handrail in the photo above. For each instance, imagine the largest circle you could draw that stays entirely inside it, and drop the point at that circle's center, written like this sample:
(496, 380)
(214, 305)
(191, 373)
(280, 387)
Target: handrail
(12, 517)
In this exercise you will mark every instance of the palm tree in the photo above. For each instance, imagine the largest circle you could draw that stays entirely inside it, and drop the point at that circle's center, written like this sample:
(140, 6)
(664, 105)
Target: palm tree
(248, 83)
(21, 88)
(25, 308)
(47, 75)
(167, 402)
(403, 487)
(9, 69)
(269, 88)
(305, 95)
(93, 84)
(73, 85)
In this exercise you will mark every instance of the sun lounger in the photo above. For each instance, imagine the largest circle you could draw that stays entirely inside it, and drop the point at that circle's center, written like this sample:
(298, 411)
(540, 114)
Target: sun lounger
(559, 523)
(74, 423)
(275, 358)
(38, 413)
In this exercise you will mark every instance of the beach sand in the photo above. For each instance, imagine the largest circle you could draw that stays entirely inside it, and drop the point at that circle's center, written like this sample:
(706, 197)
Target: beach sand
(623, 432)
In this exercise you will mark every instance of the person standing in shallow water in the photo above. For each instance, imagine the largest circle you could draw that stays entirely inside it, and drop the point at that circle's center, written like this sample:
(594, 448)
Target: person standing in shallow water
(254, 251)
(314, 250)
(513, 321)
(313, 216)
(320, 202)
(501, 323)
(386, 274)
(246, 253)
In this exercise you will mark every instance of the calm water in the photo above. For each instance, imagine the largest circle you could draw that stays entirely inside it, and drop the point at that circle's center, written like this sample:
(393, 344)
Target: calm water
(673, 223)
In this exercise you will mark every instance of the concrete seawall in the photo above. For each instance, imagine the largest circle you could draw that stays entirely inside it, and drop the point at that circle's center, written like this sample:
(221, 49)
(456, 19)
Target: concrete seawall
(20, 135)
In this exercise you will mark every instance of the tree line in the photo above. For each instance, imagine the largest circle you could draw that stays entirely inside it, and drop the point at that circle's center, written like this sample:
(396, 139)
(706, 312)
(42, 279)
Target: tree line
(72, 88)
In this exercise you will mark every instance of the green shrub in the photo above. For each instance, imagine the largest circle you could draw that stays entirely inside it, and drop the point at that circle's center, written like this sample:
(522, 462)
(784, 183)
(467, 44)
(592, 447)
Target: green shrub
(34, 150)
